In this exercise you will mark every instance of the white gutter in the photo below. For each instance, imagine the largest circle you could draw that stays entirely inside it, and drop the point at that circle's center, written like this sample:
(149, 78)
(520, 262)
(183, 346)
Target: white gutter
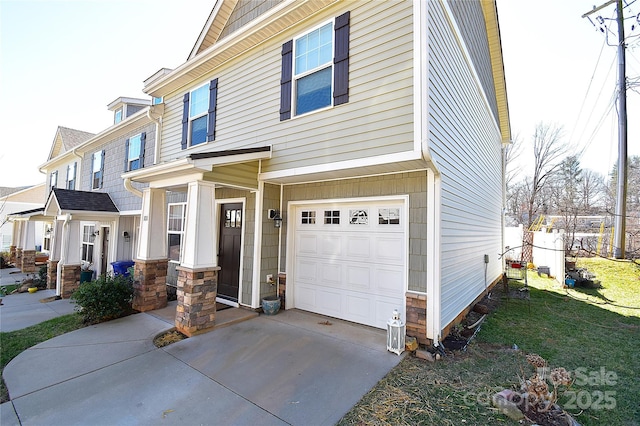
(130, 188)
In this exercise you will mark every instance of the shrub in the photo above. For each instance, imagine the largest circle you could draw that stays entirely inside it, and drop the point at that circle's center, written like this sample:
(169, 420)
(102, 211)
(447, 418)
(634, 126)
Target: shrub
(41, 280)
(104, 299)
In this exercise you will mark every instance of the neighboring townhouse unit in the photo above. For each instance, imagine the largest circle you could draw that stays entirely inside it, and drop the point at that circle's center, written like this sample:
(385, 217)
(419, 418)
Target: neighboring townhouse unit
(94, 218)
(344, 154)
(17, 231)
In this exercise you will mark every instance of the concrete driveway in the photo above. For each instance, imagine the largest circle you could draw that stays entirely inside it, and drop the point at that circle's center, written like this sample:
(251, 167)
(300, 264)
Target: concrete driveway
(292, 368)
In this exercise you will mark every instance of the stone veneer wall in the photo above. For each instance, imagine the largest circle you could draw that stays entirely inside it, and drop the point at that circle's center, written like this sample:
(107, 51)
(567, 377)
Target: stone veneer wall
(18, 259)
(417, 317)
(197, 291)
(52, 273)
(28, 261)
(149, 285)
(70, 277)
(12, 254)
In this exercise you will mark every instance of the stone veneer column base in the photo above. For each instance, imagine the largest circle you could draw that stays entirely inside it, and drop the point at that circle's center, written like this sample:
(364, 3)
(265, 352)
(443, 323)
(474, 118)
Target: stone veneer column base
(12, 254)
(417, 317)
(28, 261)
(52, 273)
(197, 291)
(70, 276)
(18, 260)
(150, 285)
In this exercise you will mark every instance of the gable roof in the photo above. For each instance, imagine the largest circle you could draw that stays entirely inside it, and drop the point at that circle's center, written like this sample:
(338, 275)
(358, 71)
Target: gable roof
(213, 27)
(67, 139)
(34, 194)
(79, 201)
(6, 190)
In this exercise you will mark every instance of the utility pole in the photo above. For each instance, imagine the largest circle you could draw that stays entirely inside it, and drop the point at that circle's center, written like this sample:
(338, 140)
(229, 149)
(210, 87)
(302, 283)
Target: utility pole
(621, 187)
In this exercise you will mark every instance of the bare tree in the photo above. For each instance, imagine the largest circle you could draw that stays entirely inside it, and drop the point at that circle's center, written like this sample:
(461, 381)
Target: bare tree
(548, 153)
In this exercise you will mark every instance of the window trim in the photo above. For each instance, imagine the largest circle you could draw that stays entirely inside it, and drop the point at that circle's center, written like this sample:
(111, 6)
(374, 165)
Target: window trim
(140, 157)
(53, 180)
(115, 115)
(87, 243)
(71, 183)
(210, 113)
(297, 77)
(94, 172)
(172, 232)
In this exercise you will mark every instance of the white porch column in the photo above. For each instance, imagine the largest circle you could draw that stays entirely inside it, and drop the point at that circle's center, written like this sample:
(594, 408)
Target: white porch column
(29, 242)
(152, 244)
(199, 246)
(55, 249)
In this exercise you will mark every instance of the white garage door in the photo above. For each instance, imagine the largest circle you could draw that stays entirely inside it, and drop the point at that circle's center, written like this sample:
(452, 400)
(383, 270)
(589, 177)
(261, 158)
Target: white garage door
(350, 260)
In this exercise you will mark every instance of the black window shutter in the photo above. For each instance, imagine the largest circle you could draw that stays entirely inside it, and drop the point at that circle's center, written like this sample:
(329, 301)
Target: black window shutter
(101, 170)
(341, 60)
(285, 80)
(143, 139)
(213, 102)
(185, 120)
(126, 155)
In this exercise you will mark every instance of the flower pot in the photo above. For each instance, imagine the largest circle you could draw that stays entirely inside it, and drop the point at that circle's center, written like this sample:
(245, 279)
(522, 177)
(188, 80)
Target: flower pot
(86, 276)
(270, 305)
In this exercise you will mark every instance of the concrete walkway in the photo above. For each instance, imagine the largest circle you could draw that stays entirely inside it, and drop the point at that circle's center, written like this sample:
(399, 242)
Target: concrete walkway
(292, 368)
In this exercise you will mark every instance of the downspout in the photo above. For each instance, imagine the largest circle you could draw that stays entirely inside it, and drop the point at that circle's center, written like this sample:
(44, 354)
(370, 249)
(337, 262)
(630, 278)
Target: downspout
(64, 245)
(130, 188)
(156, 117)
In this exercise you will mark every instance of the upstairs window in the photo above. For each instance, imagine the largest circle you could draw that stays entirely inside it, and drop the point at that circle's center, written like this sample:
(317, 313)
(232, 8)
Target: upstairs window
(156, 100)
(97, 169)
(117, 116)
(71, 176)
(134, 152)
(315, 69)
(199, 115)
(53, 180)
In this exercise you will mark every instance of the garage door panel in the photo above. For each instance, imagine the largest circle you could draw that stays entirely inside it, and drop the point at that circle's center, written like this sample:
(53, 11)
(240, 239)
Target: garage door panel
(306, 270)
(390, 249)
(358, 307)
(307, 244)
(331, 245)
(330, 274)
(388, 280)
(358, 278)
(358, 247)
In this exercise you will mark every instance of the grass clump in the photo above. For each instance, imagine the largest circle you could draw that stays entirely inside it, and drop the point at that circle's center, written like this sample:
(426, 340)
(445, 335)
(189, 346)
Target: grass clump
(104, 299)
(12, 343)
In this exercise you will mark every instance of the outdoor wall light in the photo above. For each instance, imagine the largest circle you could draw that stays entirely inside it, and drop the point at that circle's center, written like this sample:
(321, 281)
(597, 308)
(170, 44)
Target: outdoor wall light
(275, 216)
(126, 236)
(96, 232)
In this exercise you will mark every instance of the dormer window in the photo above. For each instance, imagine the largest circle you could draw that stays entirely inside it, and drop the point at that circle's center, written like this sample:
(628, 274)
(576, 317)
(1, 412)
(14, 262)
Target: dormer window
(117, 116)
(156, 100)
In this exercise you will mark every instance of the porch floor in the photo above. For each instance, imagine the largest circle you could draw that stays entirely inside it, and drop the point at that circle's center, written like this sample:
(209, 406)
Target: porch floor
(224, 318)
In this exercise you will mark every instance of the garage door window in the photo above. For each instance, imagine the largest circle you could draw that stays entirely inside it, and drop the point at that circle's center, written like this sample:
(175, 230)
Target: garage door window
(308, 218)
(359, 217)
(332, 217)
(389, 216)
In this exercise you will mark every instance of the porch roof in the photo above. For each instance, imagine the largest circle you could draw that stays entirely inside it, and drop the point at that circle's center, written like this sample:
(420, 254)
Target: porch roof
(34, 214)
(63, 201)
(197, 164)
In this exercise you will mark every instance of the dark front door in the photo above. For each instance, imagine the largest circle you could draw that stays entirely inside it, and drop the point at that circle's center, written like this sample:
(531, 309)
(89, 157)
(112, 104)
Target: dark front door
(229, 250)
(104, 253)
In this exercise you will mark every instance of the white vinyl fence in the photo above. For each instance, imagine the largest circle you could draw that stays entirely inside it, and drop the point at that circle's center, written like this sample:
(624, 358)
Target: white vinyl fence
(548, 249)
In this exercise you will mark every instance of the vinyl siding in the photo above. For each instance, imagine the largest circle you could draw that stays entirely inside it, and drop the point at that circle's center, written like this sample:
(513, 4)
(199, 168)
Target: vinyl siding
(377, 120)
(466, 146)
(114, 154)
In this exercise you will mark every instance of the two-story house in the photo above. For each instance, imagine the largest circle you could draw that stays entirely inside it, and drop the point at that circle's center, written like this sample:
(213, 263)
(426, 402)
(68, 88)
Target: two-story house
(344, 154)
(94, 218)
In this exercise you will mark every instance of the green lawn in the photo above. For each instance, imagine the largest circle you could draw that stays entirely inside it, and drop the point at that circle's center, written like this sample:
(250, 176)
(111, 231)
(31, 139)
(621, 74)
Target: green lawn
(595, 334)
(12, 343)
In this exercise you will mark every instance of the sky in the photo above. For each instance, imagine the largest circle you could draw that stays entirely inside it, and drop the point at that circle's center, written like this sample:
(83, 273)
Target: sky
(63, 62)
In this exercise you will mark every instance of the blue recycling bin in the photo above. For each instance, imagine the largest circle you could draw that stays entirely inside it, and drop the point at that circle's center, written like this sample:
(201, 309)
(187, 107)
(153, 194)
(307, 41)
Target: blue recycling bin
(121, 267)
